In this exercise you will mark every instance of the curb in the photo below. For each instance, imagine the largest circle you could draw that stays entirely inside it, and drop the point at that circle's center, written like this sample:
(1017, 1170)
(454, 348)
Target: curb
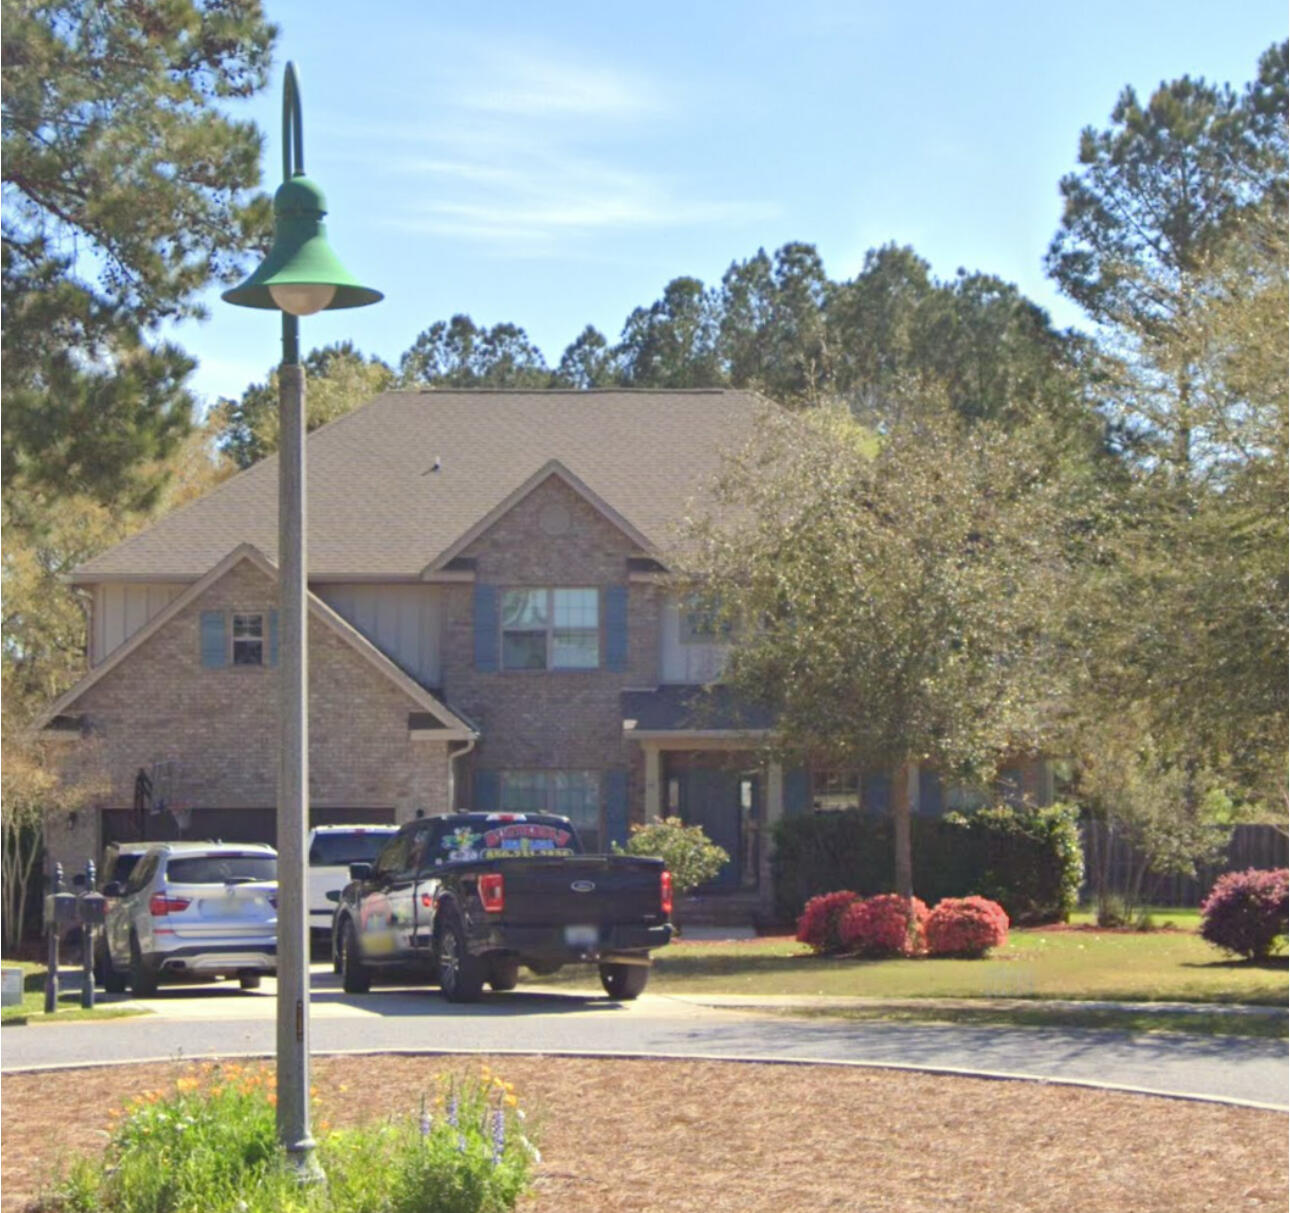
(629, 1055)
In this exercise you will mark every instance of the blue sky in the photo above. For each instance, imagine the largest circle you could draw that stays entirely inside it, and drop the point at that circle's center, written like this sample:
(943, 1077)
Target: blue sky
(556, 164)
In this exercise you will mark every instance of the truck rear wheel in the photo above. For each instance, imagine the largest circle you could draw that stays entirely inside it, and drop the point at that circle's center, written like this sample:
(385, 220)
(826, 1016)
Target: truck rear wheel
(461, 975)
(504, 974)
(355, 976)
(624, 982)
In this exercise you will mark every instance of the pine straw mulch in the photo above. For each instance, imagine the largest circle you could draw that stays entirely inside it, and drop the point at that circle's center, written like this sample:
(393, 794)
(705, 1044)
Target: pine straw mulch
(620, 1135)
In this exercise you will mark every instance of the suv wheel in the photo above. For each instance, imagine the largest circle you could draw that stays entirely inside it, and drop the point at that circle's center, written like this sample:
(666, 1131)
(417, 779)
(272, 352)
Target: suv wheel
(461, 975)
(143, 977)
(355, 976)
(109, 976)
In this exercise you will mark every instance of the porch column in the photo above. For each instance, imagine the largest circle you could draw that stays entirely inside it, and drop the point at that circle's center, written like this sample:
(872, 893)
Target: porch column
(653, 782)
(774, 813)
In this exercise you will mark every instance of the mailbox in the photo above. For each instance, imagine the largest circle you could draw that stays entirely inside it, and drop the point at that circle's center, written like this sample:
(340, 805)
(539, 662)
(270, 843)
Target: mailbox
(60, 909)
(92, 908)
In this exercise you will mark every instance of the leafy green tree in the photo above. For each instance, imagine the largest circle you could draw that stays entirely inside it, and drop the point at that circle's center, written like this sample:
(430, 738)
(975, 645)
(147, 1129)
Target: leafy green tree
(125, 194)
(673, 342)
(773, 333)
(903, 592)
(1157, 196)
(338, 379)
(588, 362)
(460, 353)
(1174, 240)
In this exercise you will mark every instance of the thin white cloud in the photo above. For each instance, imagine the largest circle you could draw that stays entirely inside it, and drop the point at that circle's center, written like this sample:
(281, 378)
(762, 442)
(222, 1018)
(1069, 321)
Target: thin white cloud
(522, 148)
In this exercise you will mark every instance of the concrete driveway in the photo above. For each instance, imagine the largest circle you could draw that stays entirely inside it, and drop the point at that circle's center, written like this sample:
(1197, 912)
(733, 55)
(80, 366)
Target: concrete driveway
(223, 1020)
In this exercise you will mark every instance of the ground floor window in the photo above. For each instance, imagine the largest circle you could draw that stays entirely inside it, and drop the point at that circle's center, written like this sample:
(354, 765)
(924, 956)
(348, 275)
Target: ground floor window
(572, 794)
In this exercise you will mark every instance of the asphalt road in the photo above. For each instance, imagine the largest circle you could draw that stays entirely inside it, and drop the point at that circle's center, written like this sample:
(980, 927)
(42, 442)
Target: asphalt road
(222, 1020)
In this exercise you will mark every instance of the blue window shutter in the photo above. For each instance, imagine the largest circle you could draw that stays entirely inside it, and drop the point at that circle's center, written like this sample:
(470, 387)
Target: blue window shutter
(930, 799)
(616, 807)
(214, 643)
(488, 791)
(616, 627)
(486, 628)
(273, 637)
(797, 792)
(876, 792)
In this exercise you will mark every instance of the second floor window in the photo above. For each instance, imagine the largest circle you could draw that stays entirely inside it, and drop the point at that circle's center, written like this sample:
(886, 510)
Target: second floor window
(248, 639)
(551, 629)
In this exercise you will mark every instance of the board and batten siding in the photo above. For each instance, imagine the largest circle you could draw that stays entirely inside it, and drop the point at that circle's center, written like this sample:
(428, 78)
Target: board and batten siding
(687, 664)
(403, 621)
(121, 608)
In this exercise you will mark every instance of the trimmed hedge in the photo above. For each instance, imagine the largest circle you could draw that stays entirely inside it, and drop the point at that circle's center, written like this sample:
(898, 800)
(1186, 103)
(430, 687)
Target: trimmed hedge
(1028, 860)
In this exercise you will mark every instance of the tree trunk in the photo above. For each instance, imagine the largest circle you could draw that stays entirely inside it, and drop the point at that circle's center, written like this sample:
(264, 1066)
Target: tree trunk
(904, 802)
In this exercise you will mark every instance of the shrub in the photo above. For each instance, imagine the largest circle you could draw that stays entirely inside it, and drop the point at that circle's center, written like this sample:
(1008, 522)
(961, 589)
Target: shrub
(211, 1144)
(1245, 912)
(885, 925)
(1029, 860)
(691, 857)
(820, 921)
(966, 926)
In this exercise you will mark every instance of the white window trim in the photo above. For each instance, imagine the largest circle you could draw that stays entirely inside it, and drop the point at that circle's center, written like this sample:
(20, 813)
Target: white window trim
(262, 638)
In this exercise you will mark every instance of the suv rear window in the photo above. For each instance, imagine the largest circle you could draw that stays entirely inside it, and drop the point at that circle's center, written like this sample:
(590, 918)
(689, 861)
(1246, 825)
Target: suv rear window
(122, 866)
(219, 869)
(338, 850)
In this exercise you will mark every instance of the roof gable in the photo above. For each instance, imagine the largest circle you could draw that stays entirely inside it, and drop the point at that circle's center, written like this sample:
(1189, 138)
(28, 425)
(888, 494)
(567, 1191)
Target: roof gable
(454, 726)
(553, 468)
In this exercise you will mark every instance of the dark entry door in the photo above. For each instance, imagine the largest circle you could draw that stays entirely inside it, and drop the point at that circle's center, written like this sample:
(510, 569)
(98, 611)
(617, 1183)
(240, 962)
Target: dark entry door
(710, 798)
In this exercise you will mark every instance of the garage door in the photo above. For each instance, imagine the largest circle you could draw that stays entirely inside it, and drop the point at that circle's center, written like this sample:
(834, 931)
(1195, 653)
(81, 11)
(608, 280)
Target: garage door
(226, 825)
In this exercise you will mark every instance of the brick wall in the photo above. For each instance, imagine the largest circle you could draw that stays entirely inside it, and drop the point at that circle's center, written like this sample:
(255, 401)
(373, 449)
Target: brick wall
(220, 725)
(549, 718)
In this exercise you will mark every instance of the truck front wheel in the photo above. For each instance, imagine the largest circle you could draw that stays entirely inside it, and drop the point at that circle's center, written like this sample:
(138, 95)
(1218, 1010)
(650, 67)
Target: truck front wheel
(461, 975)
(624, 982)
(355, 976)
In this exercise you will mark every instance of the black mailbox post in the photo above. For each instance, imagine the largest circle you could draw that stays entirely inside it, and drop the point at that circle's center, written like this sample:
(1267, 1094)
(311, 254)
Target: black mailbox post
(91, 907)
(60, 912)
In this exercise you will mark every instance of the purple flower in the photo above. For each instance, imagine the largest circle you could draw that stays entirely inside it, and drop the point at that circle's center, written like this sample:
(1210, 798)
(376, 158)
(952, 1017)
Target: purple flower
(499, 1135)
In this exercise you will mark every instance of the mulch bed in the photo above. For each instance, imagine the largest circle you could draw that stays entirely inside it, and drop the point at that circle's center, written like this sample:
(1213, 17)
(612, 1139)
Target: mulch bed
(626, 1135)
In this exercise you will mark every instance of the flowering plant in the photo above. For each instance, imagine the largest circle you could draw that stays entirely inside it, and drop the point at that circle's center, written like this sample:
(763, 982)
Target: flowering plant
(818, 925)
(1245, 912)
(966, 926)
(885, 925)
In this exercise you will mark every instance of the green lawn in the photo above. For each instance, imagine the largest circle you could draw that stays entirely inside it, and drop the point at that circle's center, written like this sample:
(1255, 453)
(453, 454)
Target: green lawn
(32, 1007)
(1036, 964)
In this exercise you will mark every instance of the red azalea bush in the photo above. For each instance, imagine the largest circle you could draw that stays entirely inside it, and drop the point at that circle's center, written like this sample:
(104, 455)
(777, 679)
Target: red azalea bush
(885, 925)
(818, 925)
(1246, 911)
(966, 926)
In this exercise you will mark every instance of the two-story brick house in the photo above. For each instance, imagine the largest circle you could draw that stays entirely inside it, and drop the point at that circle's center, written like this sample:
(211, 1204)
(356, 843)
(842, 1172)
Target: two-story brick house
(491, 625)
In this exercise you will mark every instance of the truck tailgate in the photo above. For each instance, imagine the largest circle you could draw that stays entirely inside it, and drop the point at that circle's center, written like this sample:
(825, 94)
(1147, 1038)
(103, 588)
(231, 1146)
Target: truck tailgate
(593, 889)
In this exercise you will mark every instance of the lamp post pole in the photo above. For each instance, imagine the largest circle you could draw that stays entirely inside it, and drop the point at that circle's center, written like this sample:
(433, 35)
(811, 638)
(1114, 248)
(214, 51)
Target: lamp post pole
(300, 276)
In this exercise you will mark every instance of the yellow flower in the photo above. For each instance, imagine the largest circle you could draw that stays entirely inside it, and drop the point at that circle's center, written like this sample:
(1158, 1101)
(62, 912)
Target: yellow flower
(511, 1101)
(343, 1087)
(186, 1084)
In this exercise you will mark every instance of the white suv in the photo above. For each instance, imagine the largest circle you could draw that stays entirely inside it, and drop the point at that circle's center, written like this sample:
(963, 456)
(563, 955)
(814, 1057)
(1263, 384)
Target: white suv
(192, 910)
(331, 850)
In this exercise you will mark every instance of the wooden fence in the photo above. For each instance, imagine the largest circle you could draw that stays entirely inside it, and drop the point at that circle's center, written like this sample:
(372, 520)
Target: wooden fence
(1250, 847)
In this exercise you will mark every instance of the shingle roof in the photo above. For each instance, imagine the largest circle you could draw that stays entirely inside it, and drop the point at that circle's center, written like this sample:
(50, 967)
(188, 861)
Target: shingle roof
(672, 709)
(376, 507)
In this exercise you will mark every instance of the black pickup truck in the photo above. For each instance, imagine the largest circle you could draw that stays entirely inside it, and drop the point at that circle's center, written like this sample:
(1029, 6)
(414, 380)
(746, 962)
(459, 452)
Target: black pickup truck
(469, 897)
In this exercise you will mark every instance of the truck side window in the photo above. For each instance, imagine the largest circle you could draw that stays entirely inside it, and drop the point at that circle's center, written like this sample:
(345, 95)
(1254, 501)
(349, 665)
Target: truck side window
(393, 856)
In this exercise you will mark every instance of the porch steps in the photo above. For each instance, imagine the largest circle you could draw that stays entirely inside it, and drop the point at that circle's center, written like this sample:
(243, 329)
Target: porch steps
(718, 910)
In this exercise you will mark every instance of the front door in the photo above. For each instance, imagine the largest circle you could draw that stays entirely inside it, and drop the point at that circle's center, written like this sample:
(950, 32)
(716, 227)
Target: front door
(711, 791)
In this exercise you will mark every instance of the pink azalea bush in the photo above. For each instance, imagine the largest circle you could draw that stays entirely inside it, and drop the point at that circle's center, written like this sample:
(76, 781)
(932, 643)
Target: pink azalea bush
(966, 926)
(885, 925)
(818, 925)
(1245, 912)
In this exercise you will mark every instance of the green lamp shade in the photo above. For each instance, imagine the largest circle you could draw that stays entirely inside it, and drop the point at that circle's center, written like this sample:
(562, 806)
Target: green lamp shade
(301, 268)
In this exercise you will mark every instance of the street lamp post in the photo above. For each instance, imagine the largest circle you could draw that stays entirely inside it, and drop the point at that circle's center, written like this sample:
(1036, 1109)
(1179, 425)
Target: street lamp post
(300, 276)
